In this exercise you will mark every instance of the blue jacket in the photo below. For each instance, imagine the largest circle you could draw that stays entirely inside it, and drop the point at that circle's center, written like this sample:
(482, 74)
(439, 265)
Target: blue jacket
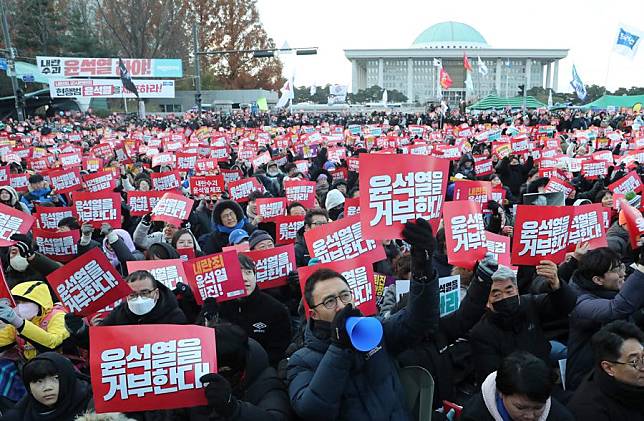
(327, 382)
(40, 195)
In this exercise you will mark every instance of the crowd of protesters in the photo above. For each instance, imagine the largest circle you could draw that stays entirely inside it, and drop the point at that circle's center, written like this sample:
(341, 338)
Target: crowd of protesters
(546, 342)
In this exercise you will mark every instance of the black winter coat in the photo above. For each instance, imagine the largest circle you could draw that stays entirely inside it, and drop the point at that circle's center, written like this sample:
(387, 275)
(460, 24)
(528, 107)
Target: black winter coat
(475, 410)
(302, 256)
(513, 176)
(494, 338)
(619, 241)
(264, 319)
(262, 395)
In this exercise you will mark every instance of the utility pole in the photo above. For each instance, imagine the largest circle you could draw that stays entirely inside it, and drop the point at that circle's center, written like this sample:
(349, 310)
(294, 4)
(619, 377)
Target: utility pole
(11, 65)
(195, 41)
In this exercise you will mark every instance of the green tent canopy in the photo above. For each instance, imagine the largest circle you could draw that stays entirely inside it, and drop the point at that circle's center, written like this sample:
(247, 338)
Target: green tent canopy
(495, 102)
(617, 101)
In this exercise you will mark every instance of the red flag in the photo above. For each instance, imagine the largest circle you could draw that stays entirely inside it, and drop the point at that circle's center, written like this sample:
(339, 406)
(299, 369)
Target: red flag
(400, 188)
(466, 63)
(540, 233)
(13, 221)
(286, 228)
(169, 272)
(216, 275)
(172, 208)
(445, 80)
(269, 208)
(358, 273)
(342, 240)
(272, 266)
(132, 368)
(464, 233)
(59, 246)
(88, 283)
(98, 208)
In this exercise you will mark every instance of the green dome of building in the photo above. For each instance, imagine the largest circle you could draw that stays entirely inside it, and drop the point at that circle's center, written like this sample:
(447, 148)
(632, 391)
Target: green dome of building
(450, 35)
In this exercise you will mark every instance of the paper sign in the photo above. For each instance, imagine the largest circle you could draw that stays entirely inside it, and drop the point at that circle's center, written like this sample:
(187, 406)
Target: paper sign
(592, 169)
(142, 202)
(241, 189)
(170, 180)
(272, 266)
(449, 290)
(169, 272)
(587, 225)
(88, 283)
(216, 275)
(359, 275)
(100, 181)
(65, 181)
(300, 191)
(98, 208)
(464, 233)
(351, 206)
(499, 246)
(631, 182)
(556, 184)
(399, 188)
(59, 246)
(132, 368)
(634, 222)
(342, 240)
(269, 208)
(13, 221)
(286, 228)
(540, 233)
(208, 185)
(476, 191)
(48, 217)
(172, 208)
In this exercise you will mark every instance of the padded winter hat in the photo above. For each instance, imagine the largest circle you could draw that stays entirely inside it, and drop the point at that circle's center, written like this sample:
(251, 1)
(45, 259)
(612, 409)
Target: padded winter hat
(258, 236)
(334, 198)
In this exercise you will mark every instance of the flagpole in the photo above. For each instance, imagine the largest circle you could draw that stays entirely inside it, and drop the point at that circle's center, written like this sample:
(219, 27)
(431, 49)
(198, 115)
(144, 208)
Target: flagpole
(610, 56)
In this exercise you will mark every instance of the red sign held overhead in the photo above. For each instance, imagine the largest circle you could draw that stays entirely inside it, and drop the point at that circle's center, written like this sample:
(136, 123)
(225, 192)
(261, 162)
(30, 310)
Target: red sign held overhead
(98, 208)
(216, 275)
(464, 233)
(59, 246)
(631, 182)
(269, 208)
(241, 189)
(65, 181)
(286, 228)
(142, 202)
(399, 188)
(300, 191)
(13, 221)
(100, 181)
(88, 283)
(634, 222)
(540, 233)
(170, 180)
(172, 208)
(169, 272)
(208, 185)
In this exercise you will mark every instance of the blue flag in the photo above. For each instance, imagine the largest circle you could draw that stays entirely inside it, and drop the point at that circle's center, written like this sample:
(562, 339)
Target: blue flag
(628, 39)
(577, 84)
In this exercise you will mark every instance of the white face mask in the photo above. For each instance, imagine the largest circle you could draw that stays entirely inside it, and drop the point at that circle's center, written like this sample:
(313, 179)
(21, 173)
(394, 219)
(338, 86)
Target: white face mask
(27, 310)
(141, 305)
(19, 263)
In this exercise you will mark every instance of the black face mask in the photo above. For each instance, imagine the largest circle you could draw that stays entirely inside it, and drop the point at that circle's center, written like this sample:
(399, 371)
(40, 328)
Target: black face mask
(508, 307)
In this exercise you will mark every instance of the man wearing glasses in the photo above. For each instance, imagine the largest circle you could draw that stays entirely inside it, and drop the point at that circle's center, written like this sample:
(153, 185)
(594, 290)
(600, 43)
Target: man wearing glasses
(314, 218)
(328, 378)
(615, 388)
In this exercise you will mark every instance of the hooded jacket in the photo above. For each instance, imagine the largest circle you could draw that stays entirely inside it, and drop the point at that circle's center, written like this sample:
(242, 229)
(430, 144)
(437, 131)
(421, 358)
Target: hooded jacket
(483, 406)
(74, 396)
(15, 202)
(262, 395)
(595, 307)
(44, 332)
(513, 176)
(218, 239)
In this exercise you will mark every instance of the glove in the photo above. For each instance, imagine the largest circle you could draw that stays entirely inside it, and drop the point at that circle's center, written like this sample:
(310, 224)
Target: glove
(23, 245)
(421, 238)
(107, 232)
(183, 290)
(9, 316)
(485, 268)
(339, 335)
(219, 394)
(210, 308)
(146, 219)
(74, 324)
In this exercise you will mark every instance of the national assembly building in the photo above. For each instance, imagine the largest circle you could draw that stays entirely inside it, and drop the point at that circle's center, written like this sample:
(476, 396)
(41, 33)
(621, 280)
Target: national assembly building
(415, 71)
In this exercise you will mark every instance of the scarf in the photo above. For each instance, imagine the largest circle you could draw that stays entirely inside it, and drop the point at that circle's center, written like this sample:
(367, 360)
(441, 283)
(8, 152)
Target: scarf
(226, 230)
(629, 396)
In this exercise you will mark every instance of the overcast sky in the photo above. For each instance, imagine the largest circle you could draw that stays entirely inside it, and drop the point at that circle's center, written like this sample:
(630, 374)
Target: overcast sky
(587, 28)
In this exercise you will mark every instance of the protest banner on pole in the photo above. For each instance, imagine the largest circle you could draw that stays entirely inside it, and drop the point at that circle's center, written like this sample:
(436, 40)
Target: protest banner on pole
(88, 283)
(98, 208)
(13, 221)
(59, 246)
(132, 368)
(172, 208)
(286, 228)
(216, 275)
(272, 266)
(464, 233)
(400, 188)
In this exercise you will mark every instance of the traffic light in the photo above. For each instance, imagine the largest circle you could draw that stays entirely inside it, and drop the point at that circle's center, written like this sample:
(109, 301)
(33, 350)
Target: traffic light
(20, 97)
(521, 90)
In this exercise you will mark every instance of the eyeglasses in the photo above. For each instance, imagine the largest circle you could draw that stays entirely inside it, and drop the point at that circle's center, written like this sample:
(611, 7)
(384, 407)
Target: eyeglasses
(332, 302)
(146, 293)
(637, 364)
(317, 223)
(618, 269)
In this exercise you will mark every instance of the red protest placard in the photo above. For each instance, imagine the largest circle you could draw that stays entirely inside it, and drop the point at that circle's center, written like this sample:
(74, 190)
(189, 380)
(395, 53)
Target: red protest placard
(47, 218)
(241, 189)
(142, 202)
(358, 273)
(20, 182)
(65, 181)
(269, 208)
(13, 221)
(186, 253)
(208, 185)
(634, 222)
(556, 184)
(351, 206)
(172, 208)
(399, 188)
(98, 208)
(540, 233)
(592, 169)
(59, 246)
(4, 175)
(484, 168)
(300, 191)
(88, 283)
(630, 182)
(341, 240)
(207, 165)
(170, 180)
(186, 161)
(70, 160)
(499, 246)
(100, 181)
(165, 158)
(587, 225)
(286, 228)
(477, 191)
(92, 164)
(168, 272)
(132, 368)
(464, 233)
(272, 266)
(231, 175)
(216, 275)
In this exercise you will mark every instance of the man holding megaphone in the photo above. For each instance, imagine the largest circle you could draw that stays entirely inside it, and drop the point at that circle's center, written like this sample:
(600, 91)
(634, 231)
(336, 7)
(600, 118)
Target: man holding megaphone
(346, 369)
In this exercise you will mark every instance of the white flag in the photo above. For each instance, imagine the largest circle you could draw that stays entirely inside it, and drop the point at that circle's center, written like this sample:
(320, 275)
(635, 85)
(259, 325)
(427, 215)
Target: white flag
(483, 70)
(313, 90)
(288, 93)
(628, 39)
(438, 62)
(384, 97)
